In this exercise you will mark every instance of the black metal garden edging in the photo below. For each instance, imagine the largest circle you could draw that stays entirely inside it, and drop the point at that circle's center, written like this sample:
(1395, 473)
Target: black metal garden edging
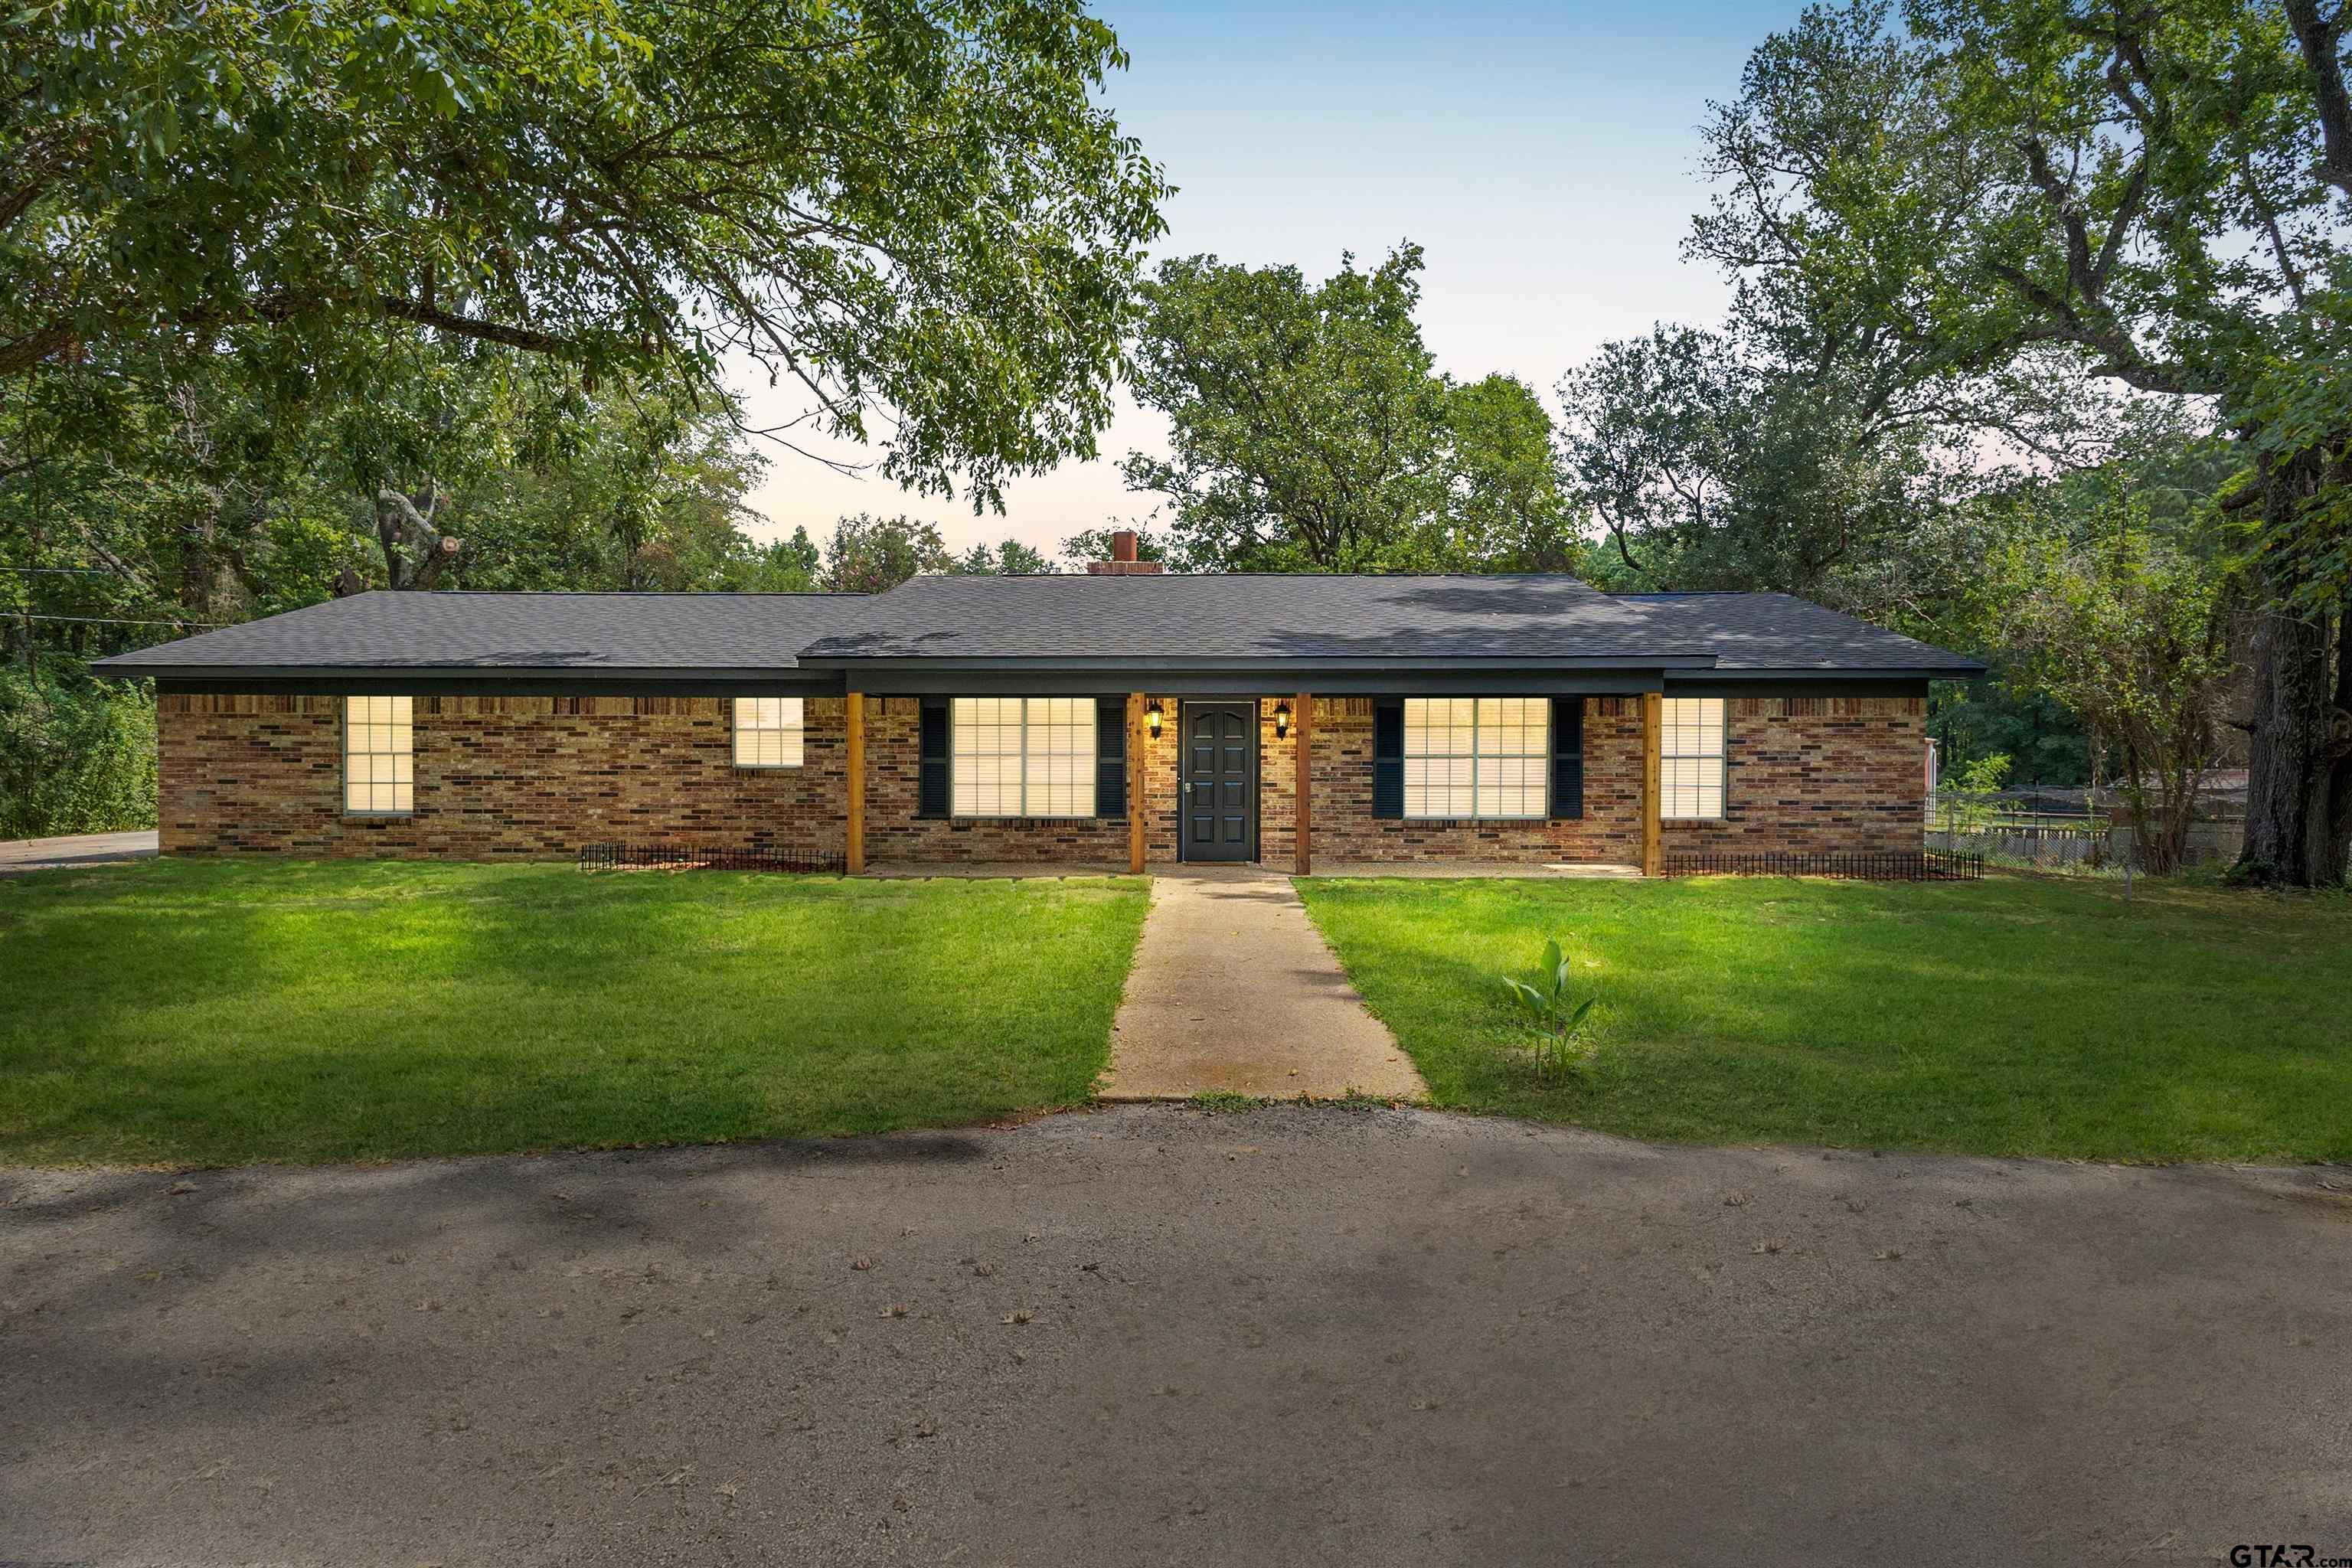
(670, 858)
(1884, 866)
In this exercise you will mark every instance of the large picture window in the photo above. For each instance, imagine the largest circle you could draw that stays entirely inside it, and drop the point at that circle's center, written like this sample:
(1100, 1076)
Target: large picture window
(769, 731)
(1691, 758)
(1477, 756)
(379, 756)
(1022, 756)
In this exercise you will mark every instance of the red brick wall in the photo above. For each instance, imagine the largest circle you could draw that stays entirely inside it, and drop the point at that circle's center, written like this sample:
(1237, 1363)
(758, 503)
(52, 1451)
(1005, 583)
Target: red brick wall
(539, 776)
(1819, 773)
(528, 777)
(1343, 828)
(1805, 772)
(894, 834)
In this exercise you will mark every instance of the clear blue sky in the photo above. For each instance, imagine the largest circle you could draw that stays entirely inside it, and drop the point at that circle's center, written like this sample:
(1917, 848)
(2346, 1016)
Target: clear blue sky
(1543, 157)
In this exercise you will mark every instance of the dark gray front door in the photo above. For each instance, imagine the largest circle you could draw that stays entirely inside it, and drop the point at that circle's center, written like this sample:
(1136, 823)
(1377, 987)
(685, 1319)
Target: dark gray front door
(1220, 782)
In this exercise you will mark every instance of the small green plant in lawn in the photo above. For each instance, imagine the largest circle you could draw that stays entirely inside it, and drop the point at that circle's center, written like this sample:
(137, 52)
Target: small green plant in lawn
(1555, 1016)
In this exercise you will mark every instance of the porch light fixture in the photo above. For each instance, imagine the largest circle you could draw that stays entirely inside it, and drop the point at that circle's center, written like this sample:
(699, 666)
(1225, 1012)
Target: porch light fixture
(1281, 720)
(1152, 720)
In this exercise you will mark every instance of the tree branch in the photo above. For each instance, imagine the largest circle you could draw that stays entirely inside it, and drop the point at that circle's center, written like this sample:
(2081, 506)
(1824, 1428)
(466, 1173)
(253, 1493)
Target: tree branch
(42, 343)
(423, 314)
(2318, 37)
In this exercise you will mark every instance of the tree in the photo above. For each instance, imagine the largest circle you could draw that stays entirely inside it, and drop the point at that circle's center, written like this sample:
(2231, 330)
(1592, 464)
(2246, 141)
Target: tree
(629, 489)
(1505, 507)
(2129, 631)
(1311, 431)
(1009, 559)
(2155, 195)
(781, 566)
(871, 555)
(924, 209)
(148, 493)
(1713, 466)
(156, 491)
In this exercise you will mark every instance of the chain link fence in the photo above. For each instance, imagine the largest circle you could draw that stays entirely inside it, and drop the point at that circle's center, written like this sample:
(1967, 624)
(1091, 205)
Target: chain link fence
(2068, 829)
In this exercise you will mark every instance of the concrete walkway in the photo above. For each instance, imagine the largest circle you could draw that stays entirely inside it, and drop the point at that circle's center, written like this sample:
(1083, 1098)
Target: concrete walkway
(81, 850)
(1233, 992)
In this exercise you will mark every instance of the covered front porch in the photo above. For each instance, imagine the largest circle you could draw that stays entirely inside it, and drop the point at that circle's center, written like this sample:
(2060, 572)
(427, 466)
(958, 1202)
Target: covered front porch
(1426, 870)
(1306, 782)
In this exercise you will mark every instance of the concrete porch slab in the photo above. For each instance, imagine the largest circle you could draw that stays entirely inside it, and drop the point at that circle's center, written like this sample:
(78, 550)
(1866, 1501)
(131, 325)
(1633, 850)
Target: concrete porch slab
(1233, 992)
(990, 871)
(1429, 870)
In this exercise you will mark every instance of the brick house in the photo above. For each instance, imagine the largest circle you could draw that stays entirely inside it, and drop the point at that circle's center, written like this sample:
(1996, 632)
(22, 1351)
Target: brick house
(1116, 717)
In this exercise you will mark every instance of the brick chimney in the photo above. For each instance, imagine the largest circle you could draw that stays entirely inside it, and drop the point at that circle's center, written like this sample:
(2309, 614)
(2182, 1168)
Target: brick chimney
(1122, 562)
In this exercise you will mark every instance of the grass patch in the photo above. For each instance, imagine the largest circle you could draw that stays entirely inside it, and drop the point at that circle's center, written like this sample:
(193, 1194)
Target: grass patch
(2007, 1016)
(1216, 1099)
(173, 1011)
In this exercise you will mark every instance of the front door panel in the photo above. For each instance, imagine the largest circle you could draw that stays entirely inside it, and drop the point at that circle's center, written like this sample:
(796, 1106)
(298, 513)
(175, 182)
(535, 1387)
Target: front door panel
(1220, 781)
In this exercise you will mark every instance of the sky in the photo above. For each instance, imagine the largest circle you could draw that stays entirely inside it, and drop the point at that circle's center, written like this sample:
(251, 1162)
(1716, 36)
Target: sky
(1543, 157)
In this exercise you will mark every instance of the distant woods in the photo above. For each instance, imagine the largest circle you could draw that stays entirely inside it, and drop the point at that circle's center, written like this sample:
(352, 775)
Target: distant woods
(2037, 328)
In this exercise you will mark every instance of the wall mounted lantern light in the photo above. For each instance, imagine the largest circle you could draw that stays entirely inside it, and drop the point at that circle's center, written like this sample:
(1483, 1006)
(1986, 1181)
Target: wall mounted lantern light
(1281, 720)
(1152, 720)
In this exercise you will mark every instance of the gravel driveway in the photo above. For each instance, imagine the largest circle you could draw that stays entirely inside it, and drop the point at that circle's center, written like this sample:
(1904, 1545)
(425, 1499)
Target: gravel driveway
(1156, 1334)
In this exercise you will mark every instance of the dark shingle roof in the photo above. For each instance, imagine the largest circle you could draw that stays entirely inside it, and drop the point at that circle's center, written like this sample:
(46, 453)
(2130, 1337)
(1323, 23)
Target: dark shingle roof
(516, 631)
(1241, 617)
(1237, 619)
(1541, 618)
(1779, 631)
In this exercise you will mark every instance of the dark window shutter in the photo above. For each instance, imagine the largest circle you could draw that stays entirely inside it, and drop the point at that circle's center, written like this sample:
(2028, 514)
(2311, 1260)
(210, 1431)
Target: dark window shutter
(931, 799)
(1388, 757)
(1727, 757)
(1110, 757)
(1567, 756)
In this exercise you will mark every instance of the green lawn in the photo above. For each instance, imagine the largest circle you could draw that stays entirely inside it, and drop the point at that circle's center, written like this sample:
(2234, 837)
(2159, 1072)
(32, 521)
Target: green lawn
(2010, 1015)
(182, 1011)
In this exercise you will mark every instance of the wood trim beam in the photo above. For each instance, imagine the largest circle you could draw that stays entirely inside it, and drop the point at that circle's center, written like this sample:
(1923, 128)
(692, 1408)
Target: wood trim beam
(1302, 723)
(1654, 852)
(1136, 740)
(856, 782)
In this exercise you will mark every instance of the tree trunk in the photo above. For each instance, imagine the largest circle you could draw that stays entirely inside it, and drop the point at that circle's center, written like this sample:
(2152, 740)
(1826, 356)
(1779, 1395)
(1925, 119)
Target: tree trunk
(415, 552)
(2335, 854)
(2293, 804)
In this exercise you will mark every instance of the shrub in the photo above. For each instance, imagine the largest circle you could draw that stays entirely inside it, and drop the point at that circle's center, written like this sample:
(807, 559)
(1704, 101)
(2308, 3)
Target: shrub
(77, 755)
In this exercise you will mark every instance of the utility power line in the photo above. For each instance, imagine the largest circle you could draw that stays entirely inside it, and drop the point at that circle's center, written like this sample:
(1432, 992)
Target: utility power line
(118, 621)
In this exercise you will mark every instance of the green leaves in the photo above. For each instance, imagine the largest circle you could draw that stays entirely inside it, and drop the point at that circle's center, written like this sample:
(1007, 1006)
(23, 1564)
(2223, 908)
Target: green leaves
(1310, 430)
(2129, 630)
(1553, 1013)
(919, 207)
(1530, 1000)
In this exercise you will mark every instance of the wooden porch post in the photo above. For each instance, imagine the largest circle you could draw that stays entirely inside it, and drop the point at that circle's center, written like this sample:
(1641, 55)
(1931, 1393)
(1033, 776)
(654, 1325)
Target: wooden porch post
(856, 782)
(1136, 740)
(1304, 722)
(1653, 850)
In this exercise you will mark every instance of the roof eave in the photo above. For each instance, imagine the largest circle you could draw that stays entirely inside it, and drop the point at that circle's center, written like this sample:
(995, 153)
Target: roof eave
(1957, 670)
(129, 664)
(949, 664)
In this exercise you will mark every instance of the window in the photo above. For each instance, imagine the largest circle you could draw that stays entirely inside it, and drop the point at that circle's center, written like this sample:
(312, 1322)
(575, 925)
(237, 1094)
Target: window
(1690, 758)
(1477, 756)
(767, 732)
(1022, 756)
(379, 756)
